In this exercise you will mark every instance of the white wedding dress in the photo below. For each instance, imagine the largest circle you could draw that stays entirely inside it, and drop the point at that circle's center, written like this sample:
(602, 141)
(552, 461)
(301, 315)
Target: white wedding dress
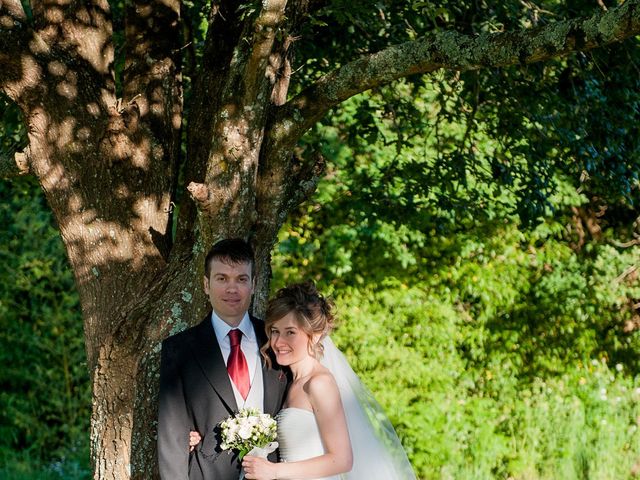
(377, 452)
(298, 436)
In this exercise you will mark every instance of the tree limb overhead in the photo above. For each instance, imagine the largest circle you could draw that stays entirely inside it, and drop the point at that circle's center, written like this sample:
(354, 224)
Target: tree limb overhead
(453, 51)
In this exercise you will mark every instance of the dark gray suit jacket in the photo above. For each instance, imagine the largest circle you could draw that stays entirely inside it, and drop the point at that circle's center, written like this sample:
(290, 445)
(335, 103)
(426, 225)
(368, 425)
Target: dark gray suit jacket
(196, 394)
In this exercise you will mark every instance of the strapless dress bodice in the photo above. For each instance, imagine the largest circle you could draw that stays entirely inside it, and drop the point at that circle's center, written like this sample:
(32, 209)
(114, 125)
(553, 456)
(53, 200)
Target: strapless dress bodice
(299, 436)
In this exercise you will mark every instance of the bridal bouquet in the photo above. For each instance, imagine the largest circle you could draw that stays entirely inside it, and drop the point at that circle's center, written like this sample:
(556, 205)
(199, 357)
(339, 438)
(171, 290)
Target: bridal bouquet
(250, 432)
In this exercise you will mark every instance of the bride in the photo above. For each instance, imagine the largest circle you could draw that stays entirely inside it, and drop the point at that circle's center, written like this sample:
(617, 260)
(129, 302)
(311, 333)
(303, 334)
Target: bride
(330, 427)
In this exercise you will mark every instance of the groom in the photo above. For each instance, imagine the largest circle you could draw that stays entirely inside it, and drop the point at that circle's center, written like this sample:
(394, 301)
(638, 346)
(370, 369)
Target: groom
(210, 371)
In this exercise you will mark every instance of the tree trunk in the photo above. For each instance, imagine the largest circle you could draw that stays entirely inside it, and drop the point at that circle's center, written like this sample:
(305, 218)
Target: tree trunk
(113, 400)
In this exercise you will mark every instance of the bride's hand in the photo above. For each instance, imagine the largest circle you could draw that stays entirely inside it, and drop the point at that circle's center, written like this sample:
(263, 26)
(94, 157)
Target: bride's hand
(257, 468)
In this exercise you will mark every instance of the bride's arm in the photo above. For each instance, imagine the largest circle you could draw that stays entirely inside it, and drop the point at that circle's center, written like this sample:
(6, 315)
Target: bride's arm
(325, 399)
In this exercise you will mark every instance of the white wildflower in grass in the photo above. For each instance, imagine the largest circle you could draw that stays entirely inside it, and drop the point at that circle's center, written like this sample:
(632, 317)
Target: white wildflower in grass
(247, 429)
(603, 394)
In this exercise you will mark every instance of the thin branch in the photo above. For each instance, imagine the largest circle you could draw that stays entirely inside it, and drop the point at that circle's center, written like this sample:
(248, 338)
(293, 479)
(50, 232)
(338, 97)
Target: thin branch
(452, 51)
(14, 164)
(630, 243)
(628, 271)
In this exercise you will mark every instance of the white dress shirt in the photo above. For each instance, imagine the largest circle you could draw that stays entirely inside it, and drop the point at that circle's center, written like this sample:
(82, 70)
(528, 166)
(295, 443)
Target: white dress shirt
(250, 349)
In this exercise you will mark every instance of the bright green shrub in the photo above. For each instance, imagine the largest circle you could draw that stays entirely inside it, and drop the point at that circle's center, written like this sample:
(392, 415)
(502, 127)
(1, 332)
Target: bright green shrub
(488, 416)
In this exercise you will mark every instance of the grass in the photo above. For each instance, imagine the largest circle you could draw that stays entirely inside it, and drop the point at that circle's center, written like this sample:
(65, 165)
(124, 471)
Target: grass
(26, 466)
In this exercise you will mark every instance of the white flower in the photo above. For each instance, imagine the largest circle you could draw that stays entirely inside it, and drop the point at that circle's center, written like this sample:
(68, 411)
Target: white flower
(603, 394)
(245, 432)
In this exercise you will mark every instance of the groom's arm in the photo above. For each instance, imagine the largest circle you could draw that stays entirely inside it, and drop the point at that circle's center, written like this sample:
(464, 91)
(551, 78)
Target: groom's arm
(173, 419)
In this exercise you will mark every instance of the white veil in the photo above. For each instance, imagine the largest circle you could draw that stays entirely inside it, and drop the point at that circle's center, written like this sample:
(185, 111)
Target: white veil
(377, 451)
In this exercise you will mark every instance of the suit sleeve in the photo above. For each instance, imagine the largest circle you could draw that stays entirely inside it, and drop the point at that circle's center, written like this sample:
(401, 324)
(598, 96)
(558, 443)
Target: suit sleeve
(173, 418)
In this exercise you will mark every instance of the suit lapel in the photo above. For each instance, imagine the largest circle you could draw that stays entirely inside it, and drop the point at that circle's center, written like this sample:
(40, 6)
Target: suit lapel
(208, 355)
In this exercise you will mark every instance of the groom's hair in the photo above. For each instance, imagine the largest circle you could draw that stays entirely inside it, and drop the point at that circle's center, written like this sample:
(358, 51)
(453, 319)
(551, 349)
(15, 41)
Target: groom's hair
(230, 251)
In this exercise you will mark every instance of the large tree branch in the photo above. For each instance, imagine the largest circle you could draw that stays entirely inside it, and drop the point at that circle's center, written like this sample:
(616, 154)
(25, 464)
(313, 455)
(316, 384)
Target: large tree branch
(235, 129)
(453, 51)
(152, 95)
(152, 63)
(80, 28)
(64, 42)
(262, 38)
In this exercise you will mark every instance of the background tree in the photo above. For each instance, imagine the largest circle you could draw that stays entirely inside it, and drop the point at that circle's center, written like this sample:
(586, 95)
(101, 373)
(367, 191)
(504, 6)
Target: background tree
(100, 90)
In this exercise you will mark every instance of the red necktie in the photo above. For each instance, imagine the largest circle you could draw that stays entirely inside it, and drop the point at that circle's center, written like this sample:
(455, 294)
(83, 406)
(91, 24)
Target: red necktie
(237, 364)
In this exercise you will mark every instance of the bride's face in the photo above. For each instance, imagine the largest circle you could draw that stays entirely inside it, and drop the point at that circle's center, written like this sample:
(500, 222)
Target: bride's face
(289, 341)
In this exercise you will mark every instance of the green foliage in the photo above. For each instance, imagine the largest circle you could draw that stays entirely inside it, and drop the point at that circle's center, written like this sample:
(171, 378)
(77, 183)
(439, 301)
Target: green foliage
(25, 466)
(498, 366)
(12, 131)
(44, 387)
(513, 129)
(488, 344)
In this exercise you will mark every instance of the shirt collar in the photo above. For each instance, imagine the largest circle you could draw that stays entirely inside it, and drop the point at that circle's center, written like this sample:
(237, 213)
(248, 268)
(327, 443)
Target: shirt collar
(221, 328)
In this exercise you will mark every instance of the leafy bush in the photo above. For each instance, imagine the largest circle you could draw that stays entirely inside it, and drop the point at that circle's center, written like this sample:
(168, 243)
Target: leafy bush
(467, 404)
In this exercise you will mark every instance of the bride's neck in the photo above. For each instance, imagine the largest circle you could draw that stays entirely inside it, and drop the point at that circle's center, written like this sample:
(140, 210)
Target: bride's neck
(303, 368)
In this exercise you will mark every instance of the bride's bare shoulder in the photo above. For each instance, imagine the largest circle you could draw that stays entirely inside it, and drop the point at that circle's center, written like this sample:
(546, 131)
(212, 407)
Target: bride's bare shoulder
(321, 382)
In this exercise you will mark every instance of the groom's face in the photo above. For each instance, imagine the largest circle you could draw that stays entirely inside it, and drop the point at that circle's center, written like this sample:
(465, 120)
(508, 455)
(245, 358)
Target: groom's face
(229, 287)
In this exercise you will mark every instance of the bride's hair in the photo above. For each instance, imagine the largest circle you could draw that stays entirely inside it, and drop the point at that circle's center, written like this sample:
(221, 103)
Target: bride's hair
(312, 310)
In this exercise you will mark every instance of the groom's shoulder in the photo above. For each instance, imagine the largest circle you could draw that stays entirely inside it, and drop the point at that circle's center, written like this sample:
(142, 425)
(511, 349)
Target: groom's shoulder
(185, 336)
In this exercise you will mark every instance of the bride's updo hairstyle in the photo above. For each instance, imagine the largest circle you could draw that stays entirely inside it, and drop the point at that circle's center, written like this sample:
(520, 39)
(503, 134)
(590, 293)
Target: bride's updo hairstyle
(313, 313)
